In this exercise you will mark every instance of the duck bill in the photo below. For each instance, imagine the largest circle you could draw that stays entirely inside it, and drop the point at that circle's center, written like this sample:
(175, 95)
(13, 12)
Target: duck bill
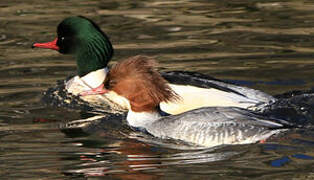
(96, 91)
(47, 45)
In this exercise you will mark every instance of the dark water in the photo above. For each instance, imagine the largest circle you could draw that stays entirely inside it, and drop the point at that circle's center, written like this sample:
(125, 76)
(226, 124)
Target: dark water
(267, 45)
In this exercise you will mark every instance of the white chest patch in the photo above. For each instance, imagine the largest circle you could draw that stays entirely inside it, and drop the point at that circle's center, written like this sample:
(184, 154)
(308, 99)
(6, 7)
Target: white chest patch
(92, 80)
(142, 119)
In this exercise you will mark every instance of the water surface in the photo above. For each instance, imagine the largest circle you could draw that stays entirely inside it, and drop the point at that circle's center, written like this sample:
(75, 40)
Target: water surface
(266, 45)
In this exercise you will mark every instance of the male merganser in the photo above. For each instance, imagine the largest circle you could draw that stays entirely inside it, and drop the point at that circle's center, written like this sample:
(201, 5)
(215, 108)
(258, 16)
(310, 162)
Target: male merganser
(144, 89)
(93, 50)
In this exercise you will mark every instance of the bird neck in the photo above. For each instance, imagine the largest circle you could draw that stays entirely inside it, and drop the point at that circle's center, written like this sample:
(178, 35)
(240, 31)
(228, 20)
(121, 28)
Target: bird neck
(88, 62)
(142, 119)
(93, 52)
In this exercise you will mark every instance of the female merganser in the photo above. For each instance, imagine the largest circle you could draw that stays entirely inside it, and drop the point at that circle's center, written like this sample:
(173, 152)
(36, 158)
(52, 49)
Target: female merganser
(144, 89)
(84, 39)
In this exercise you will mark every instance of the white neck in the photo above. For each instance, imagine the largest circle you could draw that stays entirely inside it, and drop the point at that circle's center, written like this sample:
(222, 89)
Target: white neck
(142, 119)
(95, 78)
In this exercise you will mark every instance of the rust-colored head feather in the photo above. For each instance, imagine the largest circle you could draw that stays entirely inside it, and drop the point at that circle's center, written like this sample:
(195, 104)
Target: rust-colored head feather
(136, 79)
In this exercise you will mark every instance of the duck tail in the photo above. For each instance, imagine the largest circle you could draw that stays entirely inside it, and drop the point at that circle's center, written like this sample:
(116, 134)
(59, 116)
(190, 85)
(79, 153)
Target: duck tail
(296, 107)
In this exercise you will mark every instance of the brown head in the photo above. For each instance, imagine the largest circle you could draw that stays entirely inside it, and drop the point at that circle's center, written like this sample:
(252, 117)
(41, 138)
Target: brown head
(137, 80)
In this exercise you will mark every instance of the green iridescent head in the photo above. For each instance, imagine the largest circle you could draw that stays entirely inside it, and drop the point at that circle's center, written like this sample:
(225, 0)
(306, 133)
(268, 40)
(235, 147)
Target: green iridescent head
(83, 38)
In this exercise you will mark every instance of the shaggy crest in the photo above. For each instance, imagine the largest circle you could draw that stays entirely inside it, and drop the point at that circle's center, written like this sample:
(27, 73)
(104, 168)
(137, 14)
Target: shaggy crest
(136, 79)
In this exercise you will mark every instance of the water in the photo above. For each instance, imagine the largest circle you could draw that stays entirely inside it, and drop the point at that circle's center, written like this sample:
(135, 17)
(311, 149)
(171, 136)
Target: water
(266, 45)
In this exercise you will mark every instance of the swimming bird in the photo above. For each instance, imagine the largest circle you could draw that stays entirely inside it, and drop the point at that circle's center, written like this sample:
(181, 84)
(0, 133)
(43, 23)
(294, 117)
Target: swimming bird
(136, 80)
(93, 50)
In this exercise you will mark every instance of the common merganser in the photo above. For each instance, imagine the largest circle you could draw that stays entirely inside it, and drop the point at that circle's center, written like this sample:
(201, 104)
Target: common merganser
(144, 89)
(93, 50)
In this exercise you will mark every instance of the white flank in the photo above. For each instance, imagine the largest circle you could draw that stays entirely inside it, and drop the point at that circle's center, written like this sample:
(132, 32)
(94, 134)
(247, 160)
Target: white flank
(195, 97)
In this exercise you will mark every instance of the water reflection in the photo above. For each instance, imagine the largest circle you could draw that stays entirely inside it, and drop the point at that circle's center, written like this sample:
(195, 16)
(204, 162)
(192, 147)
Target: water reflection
(132, 155)
(133, 159)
